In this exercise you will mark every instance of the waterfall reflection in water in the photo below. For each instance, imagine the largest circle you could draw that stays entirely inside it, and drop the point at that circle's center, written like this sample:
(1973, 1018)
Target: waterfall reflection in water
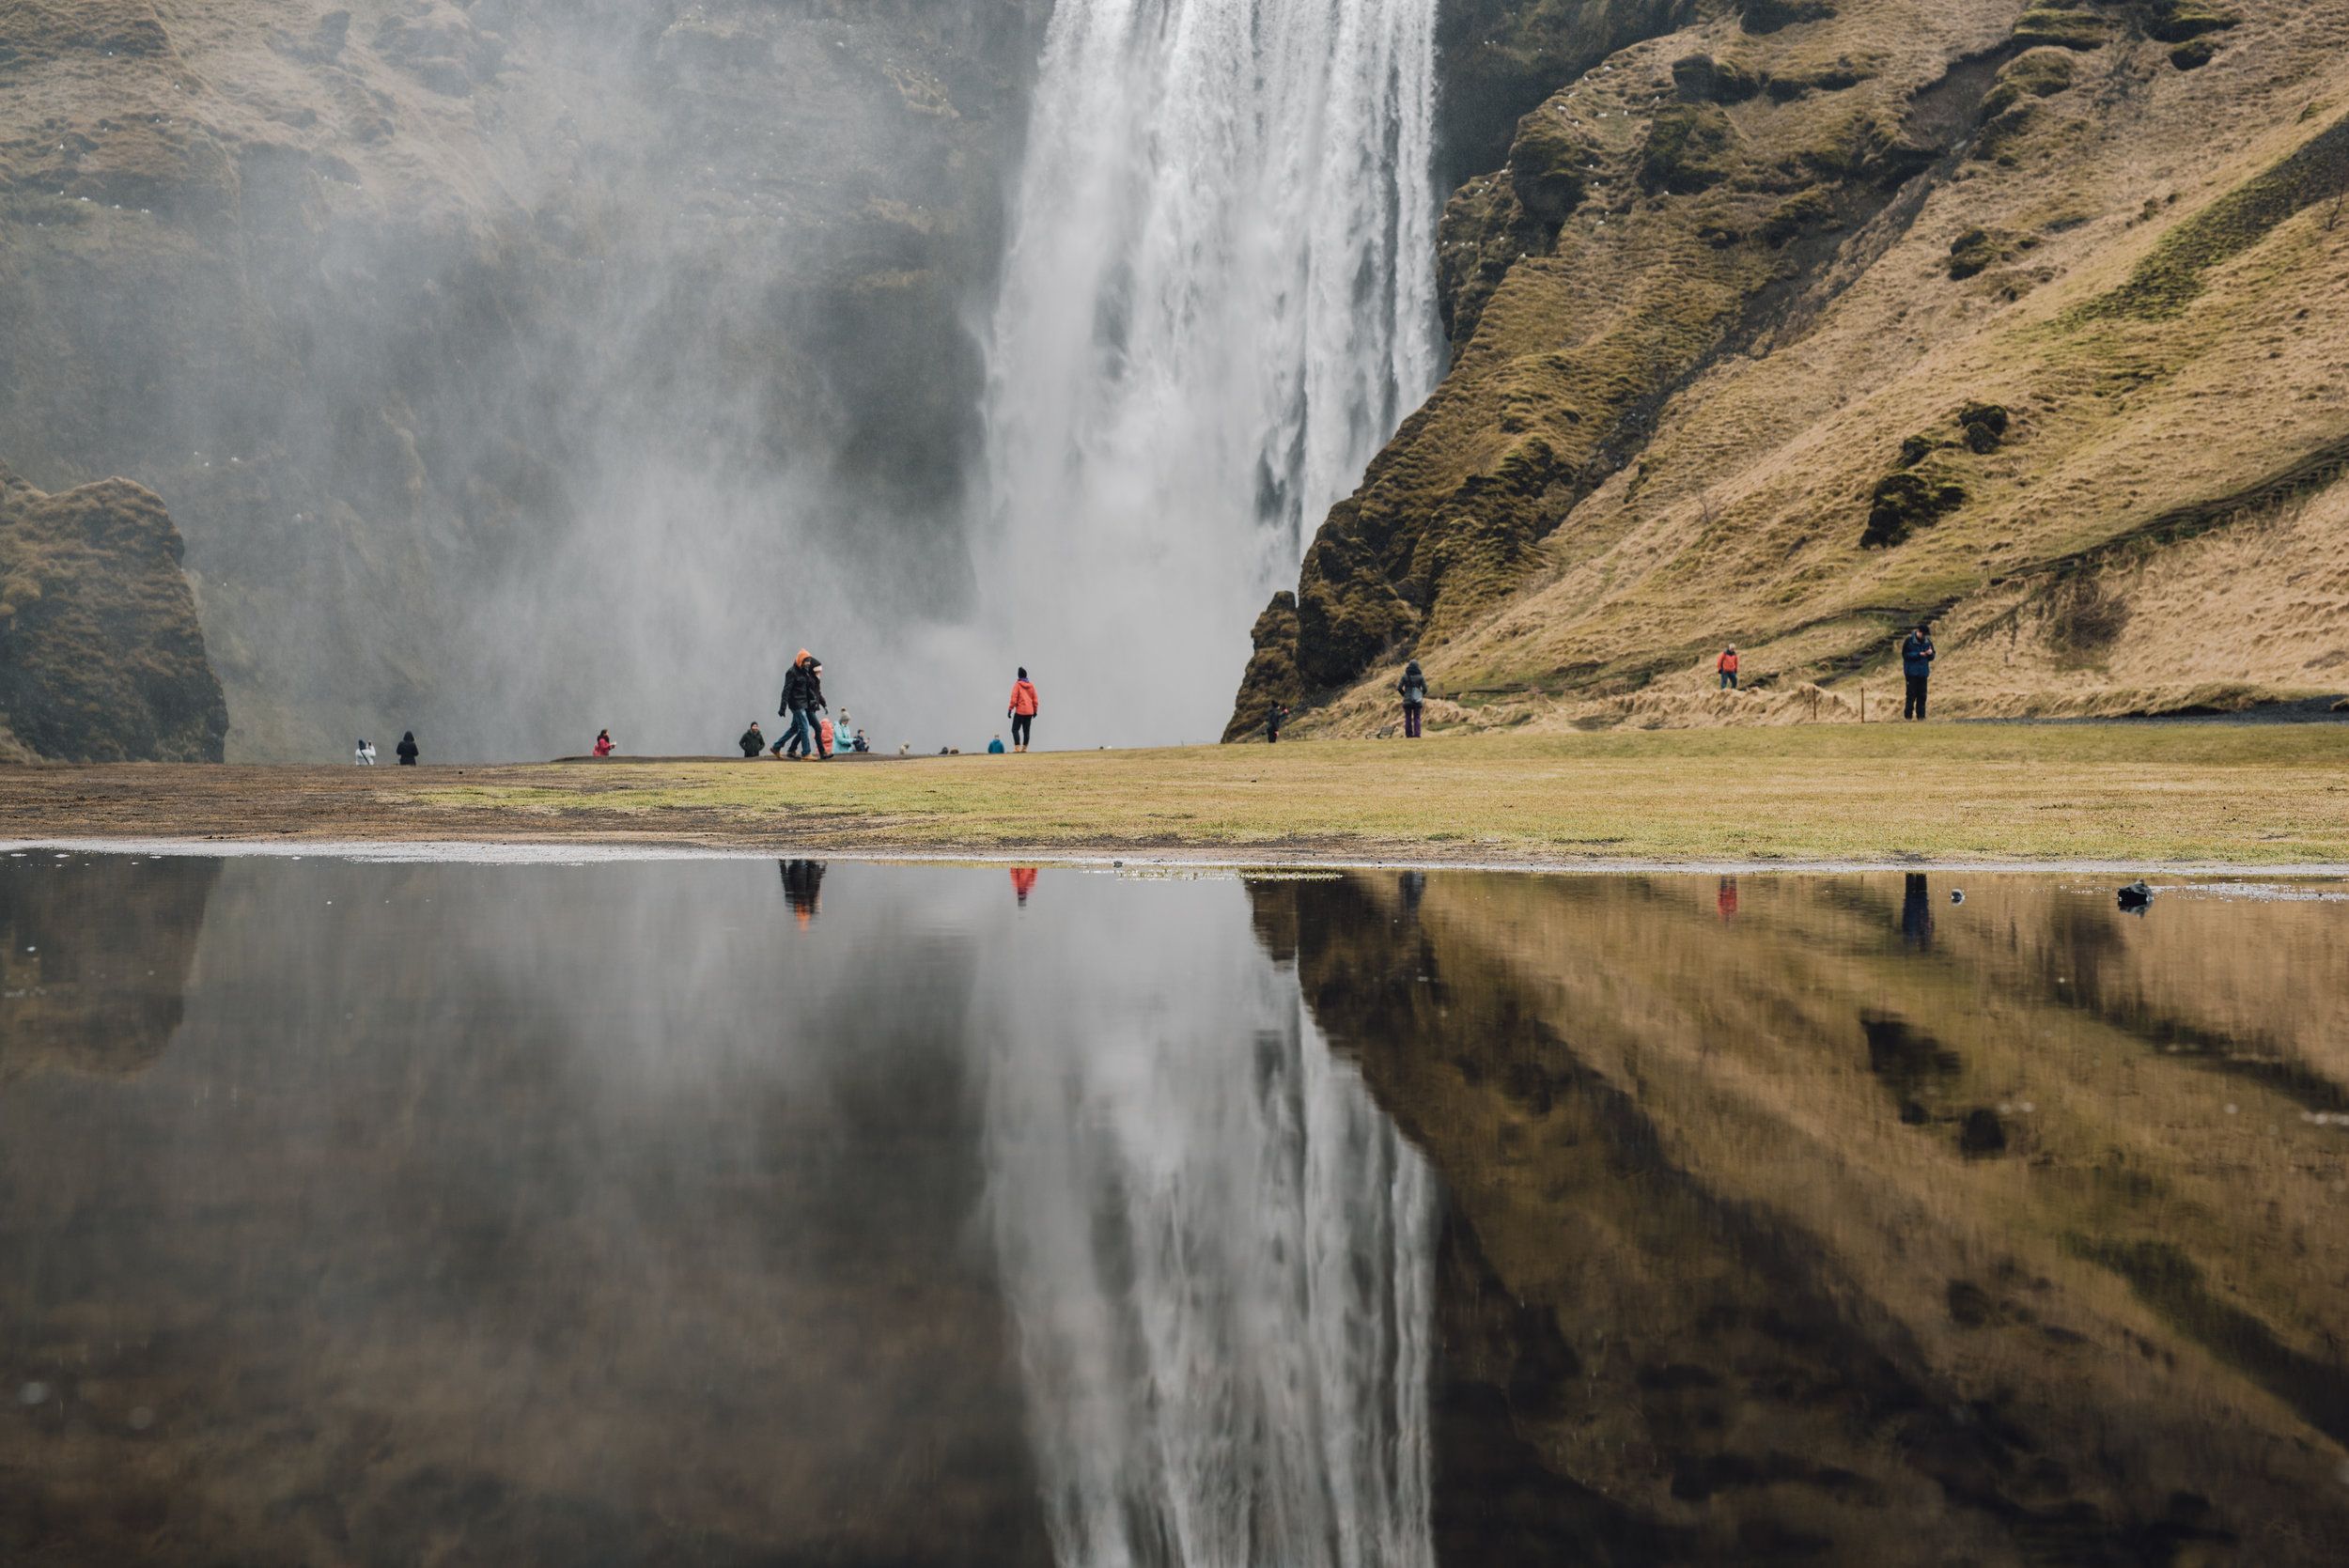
(1217, 1252)
(667, 1213)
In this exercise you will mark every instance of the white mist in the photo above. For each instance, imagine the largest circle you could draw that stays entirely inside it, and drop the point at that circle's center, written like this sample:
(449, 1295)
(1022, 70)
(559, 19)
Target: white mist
(1218, 302)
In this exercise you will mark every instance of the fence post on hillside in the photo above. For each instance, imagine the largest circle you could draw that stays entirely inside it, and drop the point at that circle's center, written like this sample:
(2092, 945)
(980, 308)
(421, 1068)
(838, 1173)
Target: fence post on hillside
(1863, 704)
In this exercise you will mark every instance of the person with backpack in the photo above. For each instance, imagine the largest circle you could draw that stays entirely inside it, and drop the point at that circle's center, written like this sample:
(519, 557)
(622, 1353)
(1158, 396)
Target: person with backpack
(365, 754)
(1917, 666)
(1727, 665)
(1413, 686)
(1022, 709)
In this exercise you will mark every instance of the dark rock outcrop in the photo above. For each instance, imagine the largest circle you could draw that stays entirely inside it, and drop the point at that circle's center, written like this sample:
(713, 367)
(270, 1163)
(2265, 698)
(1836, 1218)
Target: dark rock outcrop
(100, 656)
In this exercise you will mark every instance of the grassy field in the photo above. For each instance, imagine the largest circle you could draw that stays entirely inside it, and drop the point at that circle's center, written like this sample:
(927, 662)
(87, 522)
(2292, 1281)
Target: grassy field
(2244, 794)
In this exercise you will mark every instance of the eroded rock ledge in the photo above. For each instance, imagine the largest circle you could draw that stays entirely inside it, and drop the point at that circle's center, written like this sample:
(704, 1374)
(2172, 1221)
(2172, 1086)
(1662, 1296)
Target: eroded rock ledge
(100, 656)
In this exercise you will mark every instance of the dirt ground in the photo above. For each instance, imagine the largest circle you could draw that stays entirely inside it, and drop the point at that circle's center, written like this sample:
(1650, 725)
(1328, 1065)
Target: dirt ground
(1883, 794)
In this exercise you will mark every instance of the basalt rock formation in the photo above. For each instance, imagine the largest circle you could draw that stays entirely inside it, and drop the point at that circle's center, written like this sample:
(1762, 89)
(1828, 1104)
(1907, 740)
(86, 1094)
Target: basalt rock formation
(100, 656)
(1728, 272)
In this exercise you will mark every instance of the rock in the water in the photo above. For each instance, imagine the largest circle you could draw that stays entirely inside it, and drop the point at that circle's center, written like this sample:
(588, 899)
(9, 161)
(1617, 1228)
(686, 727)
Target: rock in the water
(100, 656)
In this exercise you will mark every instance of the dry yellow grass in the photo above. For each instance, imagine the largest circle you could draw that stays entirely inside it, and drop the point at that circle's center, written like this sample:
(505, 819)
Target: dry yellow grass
(2244, 795)
(1740, 520)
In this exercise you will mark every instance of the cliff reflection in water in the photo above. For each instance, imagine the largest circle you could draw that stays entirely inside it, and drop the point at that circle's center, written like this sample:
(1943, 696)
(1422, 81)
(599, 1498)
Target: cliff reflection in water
(1834, 1220)
(726, 1212)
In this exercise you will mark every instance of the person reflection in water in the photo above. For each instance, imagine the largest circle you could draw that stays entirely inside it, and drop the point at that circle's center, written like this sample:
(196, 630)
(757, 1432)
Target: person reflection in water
(1917, 913)
(803, 885)
(1725, 901)
(1023, 882)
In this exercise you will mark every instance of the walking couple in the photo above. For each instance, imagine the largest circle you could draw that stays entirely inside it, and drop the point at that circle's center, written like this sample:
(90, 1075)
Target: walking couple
(802, 699)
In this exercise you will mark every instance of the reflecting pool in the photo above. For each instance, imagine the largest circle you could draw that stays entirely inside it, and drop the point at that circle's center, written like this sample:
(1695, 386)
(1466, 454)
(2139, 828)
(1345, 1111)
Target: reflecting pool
(729, 1212)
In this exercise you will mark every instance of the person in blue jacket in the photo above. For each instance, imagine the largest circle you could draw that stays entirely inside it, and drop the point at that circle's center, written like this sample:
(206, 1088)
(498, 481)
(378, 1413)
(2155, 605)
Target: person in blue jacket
(995, 747)
(1916, 664)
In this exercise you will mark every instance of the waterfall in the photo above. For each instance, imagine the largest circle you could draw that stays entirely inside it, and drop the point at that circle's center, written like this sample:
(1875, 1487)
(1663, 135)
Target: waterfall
(1219, 1258)
(1216, 304)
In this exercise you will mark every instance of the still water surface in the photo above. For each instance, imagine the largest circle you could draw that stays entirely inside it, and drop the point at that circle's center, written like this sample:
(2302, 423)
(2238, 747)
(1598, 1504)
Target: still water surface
(723, 1212)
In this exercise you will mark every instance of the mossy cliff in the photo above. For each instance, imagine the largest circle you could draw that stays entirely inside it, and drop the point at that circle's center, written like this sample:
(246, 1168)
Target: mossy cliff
(404, 305)
(1813, 1226)
(1725, 274)
(102, 658)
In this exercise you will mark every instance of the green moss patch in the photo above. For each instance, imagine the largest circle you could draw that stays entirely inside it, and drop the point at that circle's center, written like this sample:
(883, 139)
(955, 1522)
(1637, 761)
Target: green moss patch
(1808, 209)
(1905, 502)
(2168, 280)
(1703, 79)
(1769, 16)
(2036, 73)
(1977, 249)
(2062, 30)
(2182, 21)
(1547, 164)
(1690, 148)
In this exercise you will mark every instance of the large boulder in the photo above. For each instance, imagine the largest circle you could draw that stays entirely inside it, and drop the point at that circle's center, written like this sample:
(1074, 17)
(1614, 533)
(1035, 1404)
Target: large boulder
(100, 656)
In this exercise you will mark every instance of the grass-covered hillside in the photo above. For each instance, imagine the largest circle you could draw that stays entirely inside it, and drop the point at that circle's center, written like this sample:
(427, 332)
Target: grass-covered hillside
(1797, 323)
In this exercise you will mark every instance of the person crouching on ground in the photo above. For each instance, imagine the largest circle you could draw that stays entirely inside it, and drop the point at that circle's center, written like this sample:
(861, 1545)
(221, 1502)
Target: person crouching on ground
(1022, 710)
(1413, 686)
(603, 743)
(1916, 664)
(752, 742)
(1727, 665)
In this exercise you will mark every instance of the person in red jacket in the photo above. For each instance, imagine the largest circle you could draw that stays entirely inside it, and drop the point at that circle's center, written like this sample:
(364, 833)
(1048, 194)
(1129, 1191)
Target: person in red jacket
(1022, 710)
(1727, 665)
(603, 743)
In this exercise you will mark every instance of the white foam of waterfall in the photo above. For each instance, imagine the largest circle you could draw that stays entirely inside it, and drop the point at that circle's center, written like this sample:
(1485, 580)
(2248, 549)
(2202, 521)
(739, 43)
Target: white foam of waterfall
(1218, 301)
(1218, 1257)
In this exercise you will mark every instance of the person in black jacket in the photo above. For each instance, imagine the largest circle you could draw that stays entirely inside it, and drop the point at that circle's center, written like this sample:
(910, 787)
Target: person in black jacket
(1917, 666)
(408, 752)
(1413, 686)
(802, 697)
(752, 742)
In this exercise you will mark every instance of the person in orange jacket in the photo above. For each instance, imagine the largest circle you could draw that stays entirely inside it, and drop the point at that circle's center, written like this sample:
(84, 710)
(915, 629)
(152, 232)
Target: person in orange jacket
(1022, 710)
(1727, 665)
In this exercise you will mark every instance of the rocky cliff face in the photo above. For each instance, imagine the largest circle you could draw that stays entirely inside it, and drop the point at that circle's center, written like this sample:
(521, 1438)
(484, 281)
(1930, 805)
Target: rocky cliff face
(100, 656)
(1788, 324)
(450, 331)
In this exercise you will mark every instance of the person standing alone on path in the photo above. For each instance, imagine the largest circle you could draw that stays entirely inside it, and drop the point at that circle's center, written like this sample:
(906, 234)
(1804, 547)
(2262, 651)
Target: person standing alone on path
(1022, 710)
(1414, 689)
(1916, 664)
(1727, 665)
(1272, 722)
